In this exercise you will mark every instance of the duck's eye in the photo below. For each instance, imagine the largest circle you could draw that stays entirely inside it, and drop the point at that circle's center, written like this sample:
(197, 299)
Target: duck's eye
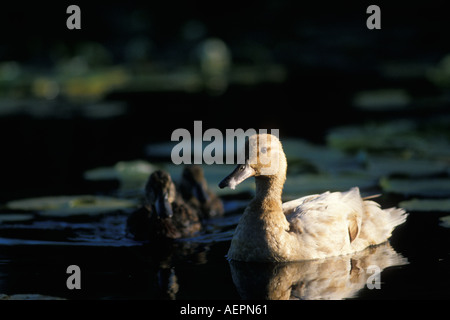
(241, 168)
(263, 149)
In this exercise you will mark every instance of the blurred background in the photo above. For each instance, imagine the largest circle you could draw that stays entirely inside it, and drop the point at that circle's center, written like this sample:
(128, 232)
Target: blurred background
(91, 112)
(71, 100)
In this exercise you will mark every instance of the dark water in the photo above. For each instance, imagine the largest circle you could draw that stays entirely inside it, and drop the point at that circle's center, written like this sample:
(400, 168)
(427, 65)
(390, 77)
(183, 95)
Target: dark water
(112, 266)
(48, 158)
(34, 257)
(336, 75)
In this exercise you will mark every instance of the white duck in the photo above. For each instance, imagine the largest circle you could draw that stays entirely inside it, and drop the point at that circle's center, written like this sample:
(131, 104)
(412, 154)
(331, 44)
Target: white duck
(333, 278)
(311, 227)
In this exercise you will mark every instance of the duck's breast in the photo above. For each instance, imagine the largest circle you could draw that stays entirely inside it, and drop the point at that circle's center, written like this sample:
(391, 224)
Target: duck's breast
(260, 237)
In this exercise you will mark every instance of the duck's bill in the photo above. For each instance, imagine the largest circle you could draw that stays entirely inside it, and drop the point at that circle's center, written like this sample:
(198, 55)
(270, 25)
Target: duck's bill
(163, 206)
(239, 174)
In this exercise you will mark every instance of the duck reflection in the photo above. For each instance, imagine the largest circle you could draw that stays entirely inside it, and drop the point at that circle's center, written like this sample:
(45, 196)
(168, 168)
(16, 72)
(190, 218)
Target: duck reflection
(333, 278)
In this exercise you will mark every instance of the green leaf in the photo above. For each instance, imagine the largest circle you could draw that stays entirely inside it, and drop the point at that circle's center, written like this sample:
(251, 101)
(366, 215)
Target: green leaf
(426, 205)
(15, 217)
(322, 158)
(371, 136)
(132, 175)
(385, 166)
(445, 222)
(301, 185)
(437, 187)
(401, 137)
(60, 206)
(381, 99)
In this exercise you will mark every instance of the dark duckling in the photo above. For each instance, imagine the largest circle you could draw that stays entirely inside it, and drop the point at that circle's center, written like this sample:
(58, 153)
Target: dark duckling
(194, 190)
(163, 214)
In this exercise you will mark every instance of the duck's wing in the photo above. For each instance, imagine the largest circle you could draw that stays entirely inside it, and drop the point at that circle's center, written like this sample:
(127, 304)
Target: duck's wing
(337, 215)
(290, 207)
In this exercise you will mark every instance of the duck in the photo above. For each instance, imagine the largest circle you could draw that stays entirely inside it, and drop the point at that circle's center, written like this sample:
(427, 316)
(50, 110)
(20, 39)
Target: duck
(164, 214)
(311, 227)
(333, 278)
(194, 189)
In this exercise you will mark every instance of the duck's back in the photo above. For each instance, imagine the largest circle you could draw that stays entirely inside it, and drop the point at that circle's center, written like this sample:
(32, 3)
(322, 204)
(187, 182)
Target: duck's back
(185, 219)
(338, 223)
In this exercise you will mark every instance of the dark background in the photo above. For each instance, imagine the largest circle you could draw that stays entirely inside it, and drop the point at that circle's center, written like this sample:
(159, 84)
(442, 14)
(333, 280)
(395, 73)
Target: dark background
(324, 46)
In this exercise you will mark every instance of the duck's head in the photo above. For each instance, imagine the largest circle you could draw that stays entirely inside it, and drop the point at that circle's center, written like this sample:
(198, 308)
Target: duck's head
(194, 183)
(160, 192)
(264, 158)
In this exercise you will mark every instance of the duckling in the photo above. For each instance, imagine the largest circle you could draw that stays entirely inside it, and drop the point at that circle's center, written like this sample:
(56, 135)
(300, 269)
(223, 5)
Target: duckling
(312, 227)
(163, 214)
(194, 190)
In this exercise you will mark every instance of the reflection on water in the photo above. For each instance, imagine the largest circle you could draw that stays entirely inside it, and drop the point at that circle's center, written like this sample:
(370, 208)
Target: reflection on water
(333, 278)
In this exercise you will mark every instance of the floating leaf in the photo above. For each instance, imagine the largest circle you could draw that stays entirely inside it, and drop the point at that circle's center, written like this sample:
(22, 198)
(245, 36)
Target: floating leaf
(438, 187)
(103, 110)
(426, 205)
(402, 137)
(381, 99)
(445, 222)
(71, 205)
(164, 149)
(383, 166)
(440, 74)
(404, 70)
(160, 149)
(93, 85)
(324, 159)
(372, 136)
(15, 217)
(132, 175)
(300, 185)
(122, 170)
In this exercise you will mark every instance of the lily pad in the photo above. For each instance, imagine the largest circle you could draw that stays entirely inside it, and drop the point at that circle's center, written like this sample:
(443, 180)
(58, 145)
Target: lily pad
(301, 185)
(130, 174)
(15, 217)
(322, 158)
(381, 99)
(404, 70)
(445, 222)
(437, 187)
(399, 137)
(382, 136)
(164, 149)
(160, 149)
(440, 74)
(426, 205)
(60, 206)
(384, 166)
(121, 170)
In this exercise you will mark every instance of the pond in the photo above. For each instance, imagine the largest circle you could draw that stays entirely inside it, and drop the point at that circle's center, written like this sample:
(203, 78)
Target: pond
(40, 237)
(87, 115)
(35, 255)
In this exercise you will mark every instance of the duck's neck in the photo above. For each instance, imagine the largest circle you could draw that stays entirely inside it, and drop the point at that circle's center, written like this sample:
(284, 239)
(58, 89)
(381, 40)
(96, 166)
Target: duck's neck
(268, 193)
